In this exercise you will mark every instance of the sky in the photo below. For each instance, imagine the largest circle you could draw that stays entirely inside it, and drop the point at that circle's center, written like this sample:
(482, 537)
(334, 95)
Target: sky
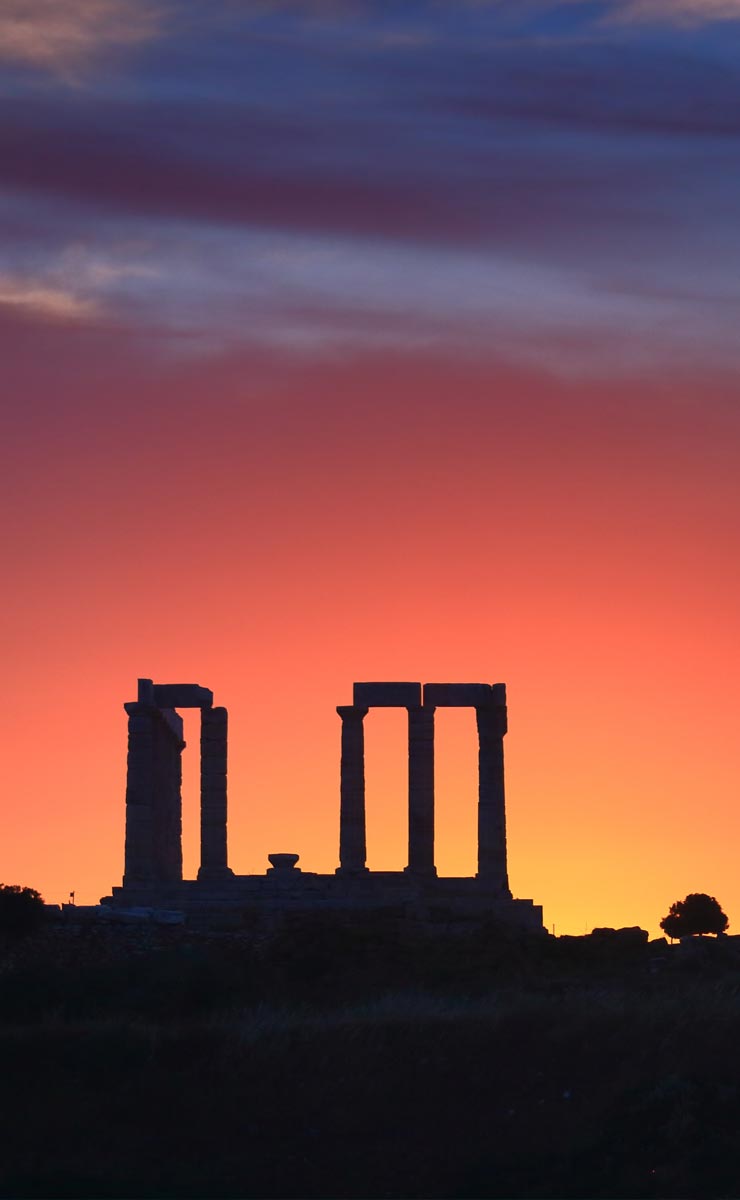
(354, 341)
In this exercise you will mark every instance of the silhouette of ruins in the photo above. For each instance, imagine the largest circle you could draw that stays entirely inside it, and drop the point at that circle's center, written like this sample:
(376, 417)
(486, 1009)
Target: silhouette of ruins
(153, 851)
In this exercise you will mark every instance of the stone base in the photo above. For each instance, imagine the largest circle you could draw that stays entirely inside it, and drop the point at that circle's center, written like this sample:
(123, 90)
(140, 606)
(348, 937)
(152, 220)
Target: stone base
(215, 874)
(421, 897)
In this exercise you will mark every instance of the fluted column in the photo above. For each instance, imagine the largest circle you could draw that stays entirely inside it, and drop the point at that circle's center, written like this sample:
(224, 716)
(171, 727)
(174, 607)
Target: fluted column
(153, 800)
(167, 807)
(421, 790)
(491, 800)
(213, 750)
(140, 794)
(352, 848)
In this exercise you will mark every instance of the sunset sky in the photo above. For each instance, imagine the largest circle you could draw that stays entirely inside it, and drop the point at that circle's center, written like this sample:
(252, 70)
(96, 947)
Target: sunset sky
(384, 340)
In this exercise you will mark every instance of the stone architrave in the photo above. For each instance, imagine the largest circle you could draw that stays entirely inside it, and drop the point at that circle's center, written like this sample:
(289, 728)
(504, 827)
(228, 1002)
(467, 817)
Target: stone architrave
(213, 802)
(386, 695)
(421, 790)
(492, 726)
(352, 843)
(458, 695)
(180, 695)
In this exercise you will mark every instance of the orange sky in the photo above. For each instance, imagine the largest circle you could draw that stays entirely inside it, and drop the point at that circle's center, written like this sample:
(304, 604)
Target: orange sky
(276, 532)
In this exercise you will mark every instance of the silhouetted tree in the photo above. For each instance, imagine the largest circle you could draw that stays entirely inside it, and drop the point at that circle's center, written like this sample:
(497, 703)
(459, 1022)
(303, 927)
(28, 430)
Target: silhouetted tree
(21, 909)
(697, 914)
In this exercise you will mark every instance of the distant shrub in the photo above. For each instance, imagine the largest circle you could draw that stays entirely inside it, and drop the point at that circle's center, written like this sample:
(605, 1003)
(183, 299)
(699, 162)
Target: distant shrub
(21, 909)
(697, 914)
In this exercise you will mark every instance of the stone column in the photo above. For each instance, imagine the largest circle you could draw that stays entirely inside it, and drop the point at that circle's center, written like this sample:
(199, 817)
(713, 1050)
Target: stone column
(213, 737)
(352, 848)
(167, 805)
(421, 790)
(140, 794)
(491, 802)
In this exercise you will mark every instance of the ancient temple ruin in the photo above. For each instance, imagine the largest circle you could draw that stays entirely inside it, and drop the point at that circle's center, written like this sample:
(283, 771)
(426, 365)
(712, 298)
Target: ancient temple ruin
(154, 781)
(153, 852)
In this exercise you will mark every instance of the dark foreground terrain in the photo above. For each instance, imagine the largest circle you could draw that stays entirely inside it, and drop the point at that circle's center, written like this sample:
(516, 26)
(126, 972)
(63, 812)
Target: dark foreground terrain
(367, 1062)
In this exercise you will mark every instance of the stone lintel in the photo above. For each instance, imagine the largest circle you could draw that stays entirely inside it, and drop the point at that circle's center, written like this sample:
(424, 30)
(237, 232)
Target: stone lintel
(464, 695)
(387, 695)
(182, 695)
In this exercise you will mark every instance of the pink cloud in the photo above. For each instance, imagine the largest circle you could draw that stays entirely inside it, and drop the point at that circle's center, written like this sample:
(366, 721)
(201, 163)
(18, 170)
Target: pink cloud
(63, 38)
(44, 300)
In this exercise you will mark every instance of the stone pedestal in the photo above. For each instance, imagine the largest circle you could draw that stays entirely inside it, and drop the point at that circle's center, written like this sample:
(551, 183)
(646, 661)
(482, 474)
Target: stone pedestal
(352, 845)
(213, 806)
(491, 801)
(421, 791)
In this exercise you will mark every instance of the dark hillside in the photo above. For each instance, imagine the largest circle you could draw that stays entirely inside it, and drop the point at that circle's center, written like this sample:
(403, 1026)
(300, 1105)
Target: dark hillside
(350, 1064)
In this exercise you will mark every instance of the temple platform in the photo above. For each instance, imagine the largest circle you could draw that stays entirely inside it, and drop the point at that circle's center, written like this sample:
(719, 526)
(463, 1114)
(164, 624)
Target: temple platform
(304, 891)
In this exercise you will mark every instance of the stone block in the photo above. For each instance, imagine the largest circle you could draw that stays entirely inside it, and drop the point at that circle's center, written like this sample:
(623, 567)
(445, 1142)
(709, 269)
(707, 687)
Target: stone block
(182, 695)
(138, 821)
(387, 695)
(141, 745)
(212, 771)
(457, 695)
(139, 766)
(215, 717)
(213, 747)
(173, 721)
(214, 727)
(140, 712)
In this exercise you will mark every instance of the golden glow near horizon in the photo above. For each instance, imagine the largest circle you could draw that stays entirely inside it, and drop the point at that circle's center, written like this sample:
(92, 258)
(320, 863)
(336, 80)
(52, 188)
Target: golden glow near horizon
(582, 575)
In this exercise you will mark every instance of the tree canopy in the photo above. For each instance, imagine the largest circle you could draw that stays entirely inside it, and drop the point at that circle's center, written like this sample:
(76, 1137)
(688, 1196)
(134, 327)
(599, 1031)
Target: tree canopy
(21, 908)
(697, 914)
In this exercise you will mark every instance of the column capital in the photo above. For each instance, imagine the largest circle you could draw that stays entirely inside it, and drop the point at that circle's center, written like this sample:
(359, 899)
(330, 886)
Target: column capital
(352, 712)
(421, 710)
(214, 716)
(135, 708)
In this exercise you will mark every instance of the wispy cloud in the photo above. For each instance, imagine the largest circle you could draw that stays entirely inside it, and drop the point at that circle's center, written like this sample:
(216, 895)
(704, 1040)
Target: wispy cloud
(675, 13)
(194, 291)
(678, 12)
(44, 300)
(597, 13)
(573, 203)
(76, 284)
(66, 37)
